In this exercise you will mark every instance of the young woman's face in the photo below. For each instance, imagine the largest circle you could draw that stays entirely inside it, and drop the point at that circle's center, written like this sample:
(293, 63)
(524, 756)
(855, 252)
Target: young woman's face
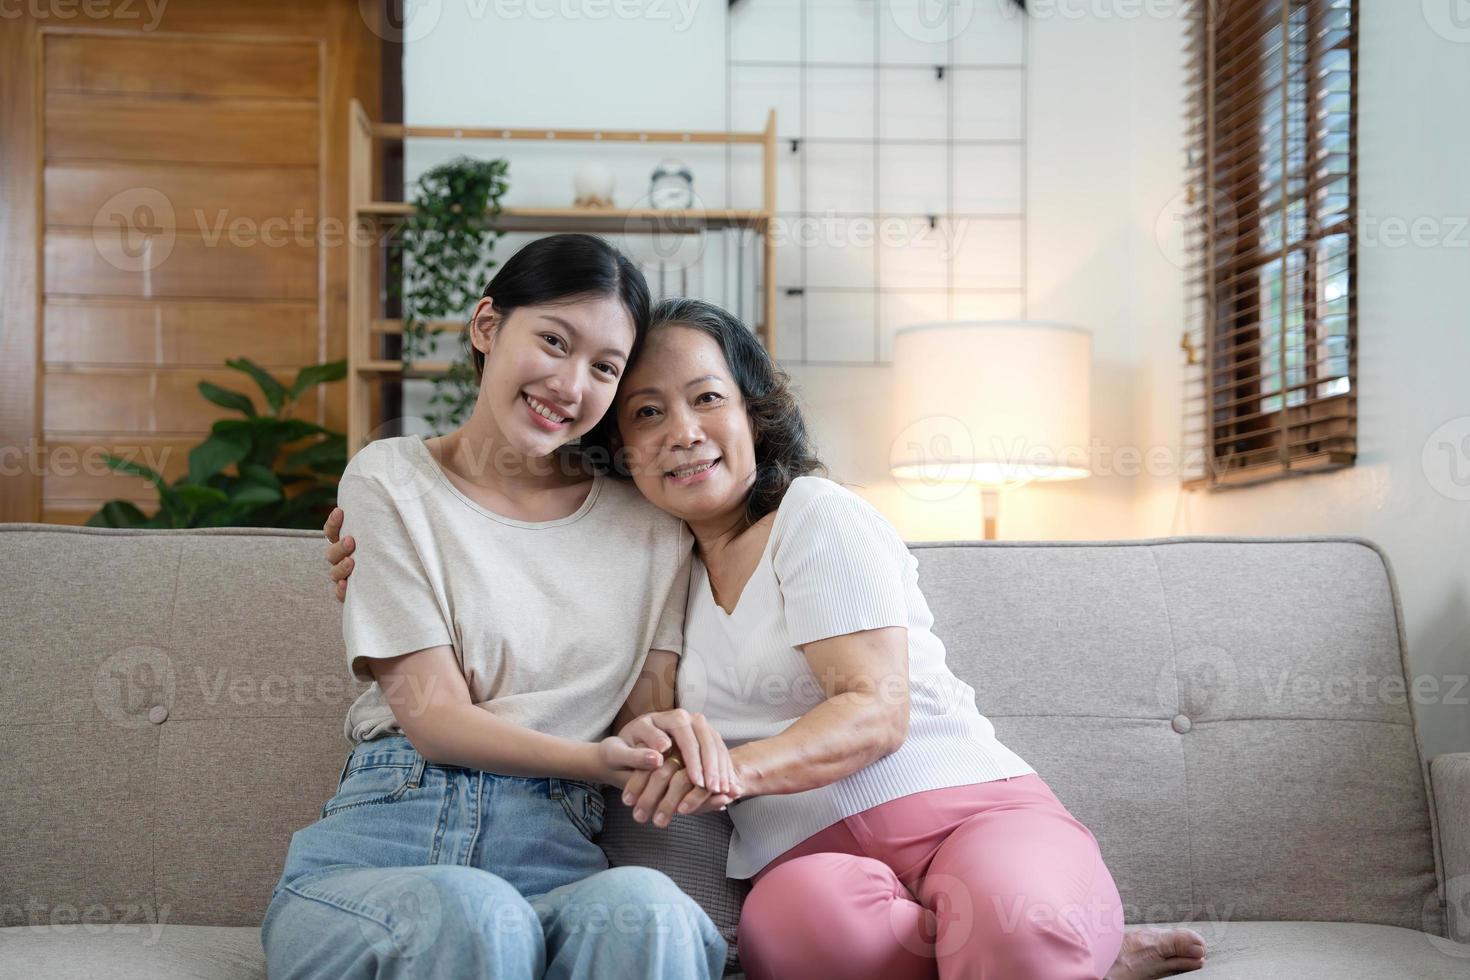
(685, 430)
(551, 371)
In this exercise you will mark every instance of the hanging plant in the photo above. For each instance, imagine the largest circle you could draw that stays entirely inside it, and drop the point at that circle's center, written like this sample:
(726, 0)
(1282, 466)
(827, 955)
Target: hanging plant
(440, 269)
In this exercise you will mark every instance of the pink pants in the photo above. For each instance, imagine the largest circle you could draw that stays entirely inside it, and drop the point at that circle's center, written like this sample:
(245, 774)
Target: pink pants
(995, 881)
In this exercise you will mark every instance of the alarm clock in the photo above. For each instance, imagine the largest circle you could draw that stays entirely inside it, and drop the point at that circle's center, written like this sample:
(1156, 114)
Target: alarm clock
(672, 186)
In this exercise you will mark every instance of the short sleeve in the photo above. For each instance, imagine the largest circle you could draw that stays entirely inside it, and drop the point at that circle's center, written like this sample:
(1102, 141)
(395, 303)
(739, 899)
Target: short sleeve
(391, 608)
(841, 568)
(669, 634)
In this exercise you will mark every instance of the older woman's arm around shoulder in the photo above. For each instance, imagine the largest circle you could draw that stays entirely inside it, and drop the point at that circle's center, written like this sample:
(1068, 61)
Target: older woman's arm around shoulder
(865, 716)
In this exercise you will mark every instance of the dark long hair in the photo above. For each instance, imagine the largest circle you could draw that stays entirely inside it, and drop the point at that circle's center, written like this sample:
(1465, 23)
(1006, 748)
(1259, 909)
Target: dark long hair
(563, 269)
(783, 448)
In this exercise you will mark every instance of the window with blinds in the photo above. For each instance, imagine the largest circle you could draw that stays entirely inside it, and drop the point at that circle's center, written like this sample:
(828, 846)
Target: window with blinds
(1270, 336)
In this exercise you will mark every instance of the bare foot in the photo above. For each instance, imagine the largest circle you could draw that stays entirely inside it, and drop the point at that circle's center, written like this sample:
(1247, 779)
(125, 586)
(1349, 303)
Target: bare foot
(1150, 952)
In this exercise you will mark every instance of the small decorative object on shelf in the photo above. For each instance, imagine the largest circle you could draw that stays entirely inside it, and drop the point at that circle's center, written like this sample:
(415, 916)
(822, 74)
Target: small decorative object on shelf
(594, 184)
(672, 187)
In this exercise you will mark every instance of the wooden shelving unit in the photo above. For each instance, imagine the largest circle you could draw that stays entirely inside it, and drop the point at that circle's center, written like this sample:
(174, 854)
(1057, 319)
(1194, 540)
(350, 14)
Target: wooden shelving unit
(365, 326)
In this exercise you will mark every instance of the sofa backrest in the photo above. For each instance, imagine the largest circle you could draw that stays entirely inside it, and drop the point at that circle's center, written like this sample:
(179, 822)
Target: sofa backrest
(1221, 713)
(1228, 716)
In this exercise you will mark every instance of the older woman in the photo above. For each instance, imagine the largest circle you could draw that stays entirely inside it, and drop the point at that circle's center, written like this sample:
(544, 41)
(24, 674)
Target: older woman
(889, 832)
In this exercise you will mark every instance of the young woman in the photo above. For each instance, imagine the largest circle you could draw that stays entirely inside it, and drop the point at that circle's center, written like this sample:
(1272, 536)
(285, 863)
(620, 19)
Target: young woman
(889, 833)
(511, 598)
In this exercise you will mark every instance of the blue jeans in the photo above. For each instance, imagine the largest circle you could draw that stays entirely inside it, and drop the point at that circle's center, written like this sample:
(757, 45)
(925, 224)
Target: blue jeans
(419, 870)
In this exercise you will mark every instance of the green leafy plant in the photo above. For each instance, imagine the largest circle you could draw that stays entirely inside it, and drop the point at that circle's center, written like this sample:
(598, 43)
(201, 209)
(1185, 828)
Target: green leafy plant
(440, 267)
(236, 476)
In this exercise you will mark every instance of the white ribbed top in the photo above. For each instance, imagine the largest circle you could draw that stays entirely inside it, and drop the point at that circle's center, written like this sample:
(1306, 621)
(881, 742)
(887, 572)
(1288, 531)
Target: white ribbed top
(832, 565)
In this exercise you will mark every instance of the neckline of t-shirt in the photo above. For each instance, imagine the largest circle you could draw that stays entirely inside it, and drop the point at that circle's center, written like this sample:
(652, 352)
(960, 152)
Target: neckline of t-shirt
(577, 515)
(709, 589)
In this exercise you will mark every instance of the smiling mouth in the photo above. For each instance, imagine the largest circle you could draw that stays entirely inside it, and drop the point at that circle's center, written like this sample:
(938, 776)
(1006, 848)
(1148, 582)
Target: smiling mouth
(544, 410)
(694, 469)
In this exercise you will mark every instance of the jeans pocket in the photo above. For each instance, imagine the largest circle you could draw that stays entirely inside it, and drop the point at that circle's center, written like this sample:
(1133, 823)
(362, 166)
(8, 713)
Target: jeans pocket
(583, 804)
(370, 781)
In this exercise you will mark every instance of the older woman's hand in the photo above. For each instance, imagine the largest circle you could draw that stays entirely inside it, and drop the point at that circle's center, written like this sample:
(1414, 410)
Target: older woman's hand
(669, 791)
(695, 739)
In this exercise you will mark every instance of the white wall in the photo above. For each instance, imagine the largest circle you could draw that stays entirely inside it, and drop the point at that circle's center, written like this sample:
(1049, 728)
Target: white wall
(1105, 163)
(1413, 344)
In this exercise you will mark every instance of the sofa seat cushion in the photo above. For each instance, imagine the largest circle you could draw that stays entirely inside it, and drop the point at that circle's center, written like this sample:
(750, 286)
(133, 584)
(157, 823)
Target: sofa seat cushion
(1238, 951)
(1325, 951)
(141, 951)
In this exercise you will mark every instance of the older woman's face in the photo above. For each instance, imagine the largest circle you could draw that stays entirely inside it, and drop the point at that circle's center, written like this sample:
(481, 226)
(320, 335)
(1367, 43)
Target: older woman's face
(685, 430)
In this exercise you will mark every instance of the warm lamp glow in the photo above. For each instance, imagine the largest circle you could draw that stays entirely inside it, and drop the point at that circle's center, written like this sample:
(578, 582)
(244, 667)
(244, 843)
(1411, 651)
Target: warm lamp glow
(999, 403)
(993, 403)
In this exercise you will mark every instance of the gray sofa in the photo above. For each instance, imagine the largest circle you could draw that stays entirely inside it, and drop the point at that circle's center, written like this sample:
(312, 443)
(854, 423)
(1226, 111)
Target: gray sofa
(1227, 716)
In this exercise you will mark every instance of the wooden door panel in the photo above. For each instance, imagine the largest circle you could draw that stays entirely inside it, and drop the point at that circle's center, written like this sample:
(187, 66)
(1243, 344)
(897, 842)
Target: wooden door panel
(280, 201)
(154, 400)
(81, 264)
(179, 333)
(183, 66)
(76, 471)
(120, 127)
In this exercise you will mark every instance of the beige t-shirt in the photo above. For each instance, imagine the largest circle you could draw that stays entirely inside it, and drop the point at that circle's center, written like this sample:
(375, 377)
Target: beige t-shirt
(550, 621)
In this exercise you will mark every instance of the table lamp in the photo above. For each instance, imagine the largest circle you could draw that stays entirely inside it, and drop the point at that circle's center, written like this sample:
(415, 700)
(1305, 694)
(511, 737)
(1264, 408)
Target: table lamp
(991, 403)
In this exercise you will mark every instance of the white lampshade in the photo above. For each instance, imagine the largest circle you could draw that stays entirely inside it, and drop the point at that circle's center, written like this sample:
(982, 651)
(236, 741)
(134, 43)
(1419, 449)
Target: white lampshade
(999, 403)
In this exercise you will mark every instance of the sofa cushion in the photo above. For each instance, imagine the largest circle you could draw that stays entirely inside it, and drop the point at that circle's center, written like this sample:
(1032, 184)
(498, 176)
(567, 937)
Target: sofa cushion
(151, 952)
(1237, 951)
(1325, 951)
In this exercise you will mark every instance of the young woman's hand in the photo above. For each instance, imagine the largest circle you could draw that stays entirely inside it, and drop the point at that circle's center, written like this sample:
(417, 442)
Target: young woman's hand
(701, 747)
(621, 760)
(668, 791)
(339, 553)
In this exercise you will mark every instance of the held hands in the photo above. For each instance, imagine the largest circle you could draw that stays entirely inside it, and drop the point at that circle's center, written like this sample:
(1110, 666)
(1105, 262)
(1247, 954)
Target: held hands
(698, 775)
(621, 760)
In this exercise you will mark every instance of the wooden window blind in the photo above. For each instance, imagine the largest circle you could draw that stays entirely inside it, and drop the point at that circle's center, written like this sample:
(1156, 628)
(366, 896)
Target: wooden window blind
(1270, 333)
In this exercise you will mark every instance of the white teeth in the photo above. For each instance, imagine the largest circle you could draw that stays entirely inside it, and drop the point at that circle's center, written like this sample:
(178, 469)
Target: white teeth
(691, 470)
(541, 409)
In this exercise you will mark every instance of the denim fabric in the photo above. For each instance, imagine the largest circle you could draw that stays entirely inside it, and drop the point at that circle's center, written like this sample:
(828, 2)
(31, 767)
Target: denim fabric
(420, 870)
